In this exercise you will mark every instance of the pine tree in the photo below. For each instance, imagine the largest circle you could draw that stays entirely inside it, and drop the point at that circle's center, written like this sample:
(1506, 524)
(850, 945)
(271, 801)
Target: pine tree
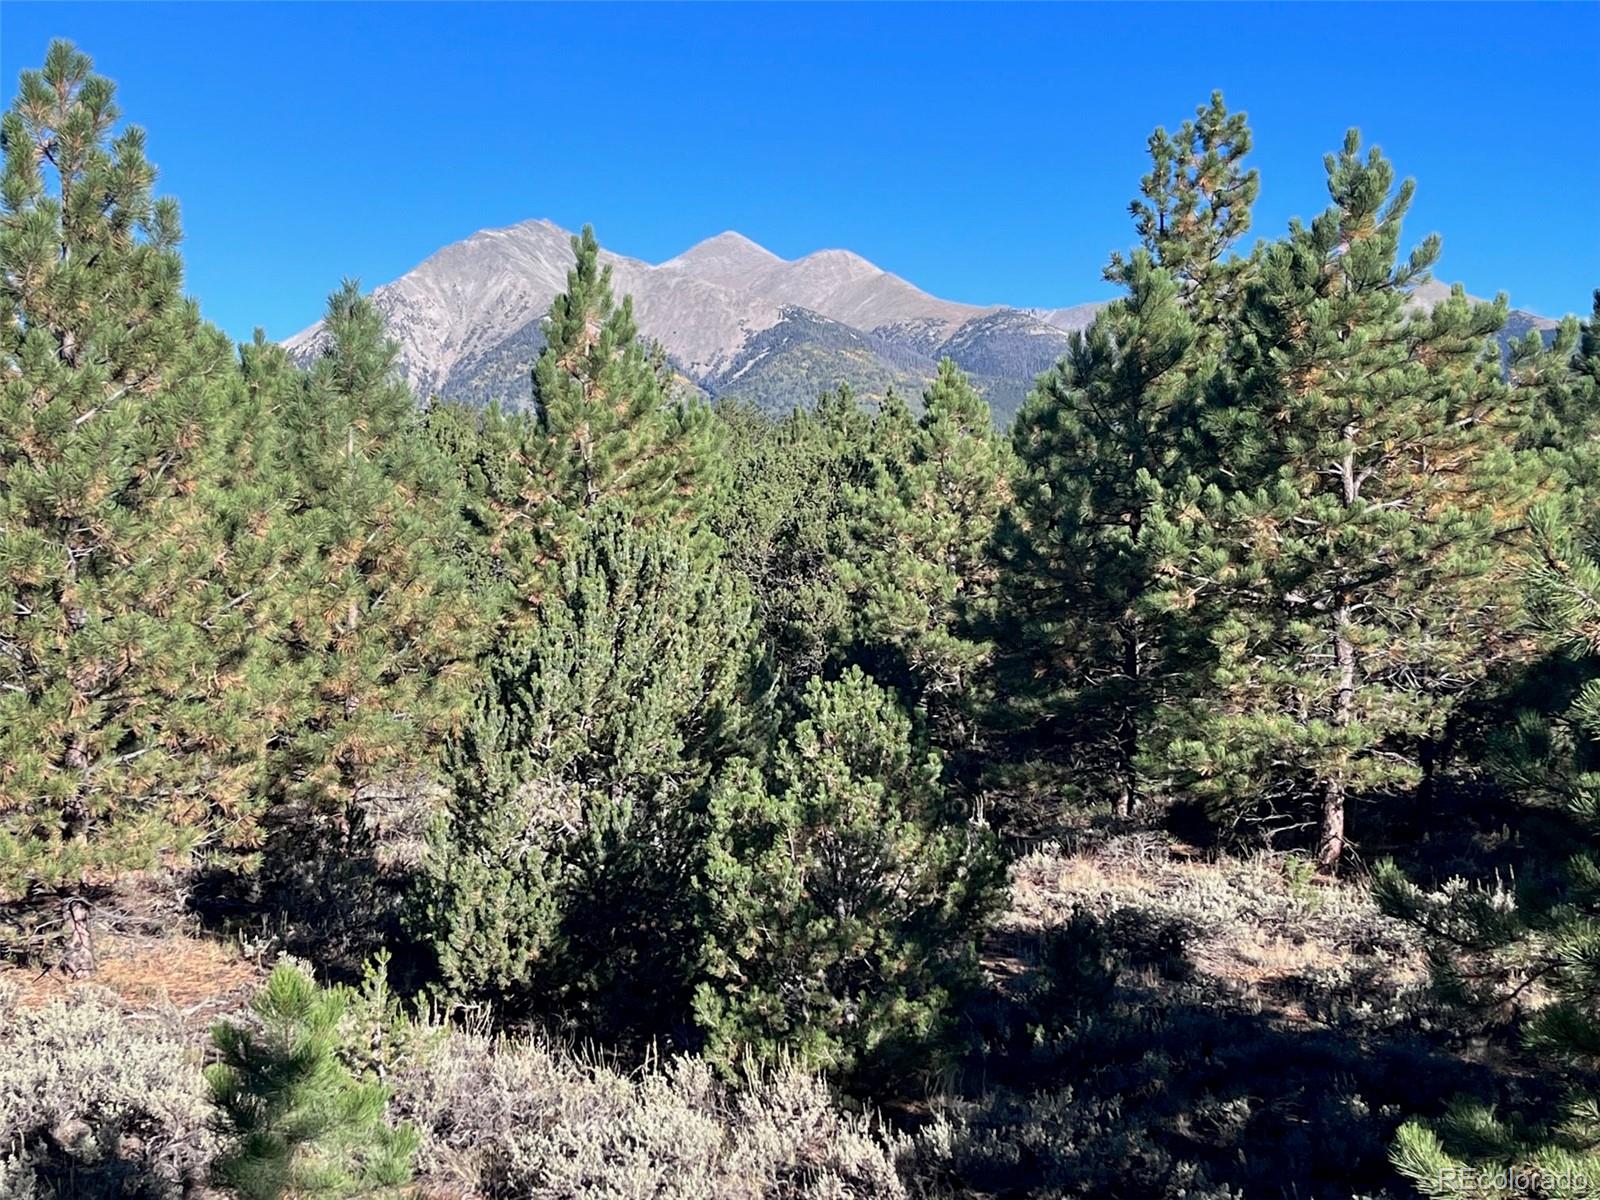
(135, 522)
(1085, 655)
(921, 541)
(787, 519)
(893, 437)
(506, 512)
(561, 872)
(846, 894)
(293, 1120)
(604, 432)
(381, 630)
(1561, 386)
(604, 425)
(1194, 206)
(1354, 575)
(384, 631)
(1490, 943)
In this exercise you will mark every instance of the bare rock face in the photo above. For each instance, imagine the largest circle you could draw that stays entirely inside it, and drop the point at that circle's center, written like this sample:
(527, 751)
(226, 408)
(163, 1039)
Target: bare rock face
(467, 297)
(1073, 317)
(730, 260)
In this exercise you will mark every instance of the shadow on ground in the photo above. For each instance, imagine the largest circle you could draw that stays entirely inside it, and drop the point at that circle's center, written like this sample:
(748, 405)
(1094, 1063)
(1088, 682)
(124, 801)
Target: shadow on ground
(1120, 1060)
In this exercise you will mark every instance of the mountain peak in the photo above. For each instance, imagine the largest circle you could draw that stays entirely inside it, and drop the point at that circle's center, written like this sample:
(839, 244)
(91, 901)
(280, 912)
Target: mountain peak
(727, 258)
(540, 228)
(728, 239)
(839, 259)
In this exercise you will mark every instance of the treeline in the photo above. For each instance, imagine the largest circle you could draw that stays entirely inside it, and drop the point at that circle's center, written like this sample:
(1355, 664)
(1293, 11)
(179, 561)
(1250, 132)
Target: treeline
(710, 727)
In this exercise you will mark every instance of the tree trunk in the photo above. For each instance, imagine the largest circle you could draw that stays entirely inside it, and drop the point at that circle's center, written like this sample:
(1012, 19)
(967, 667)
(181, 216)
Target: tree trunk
(1430, 758)
(78, 958)
(1330, 843)
(1128, 729)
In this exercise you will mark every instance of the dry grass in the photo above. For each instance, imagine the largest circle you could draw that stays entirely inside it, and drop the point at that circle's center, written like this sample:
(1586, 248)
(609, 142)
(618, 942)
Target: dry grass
(199, 977)
(1254, 928)
(151, 956)
(1166, 1024)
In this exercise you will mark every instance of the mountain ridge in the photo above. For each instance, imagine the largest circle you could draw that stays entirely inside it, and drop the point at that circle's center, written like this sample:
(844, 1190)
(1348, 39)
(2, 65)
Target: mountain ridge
(735, 319)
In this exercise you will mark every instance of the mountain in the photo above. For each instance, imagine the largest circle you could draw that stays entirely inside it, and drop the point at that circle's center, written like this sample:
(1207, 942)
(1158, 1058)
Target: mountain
(453, 311)
(1078, 316)
(735, 319)
(1519, 322)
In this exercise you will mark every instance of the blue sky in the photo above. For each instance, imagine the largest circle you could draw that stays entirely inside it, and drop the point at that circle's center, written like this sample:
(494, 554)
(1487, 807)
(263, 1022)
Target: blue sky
(987, 153)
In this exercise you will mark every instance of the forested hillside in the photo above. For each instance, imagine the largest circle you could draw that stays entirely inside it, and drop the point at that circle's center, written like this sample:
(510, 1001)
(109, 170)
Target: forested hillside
(1186, 790)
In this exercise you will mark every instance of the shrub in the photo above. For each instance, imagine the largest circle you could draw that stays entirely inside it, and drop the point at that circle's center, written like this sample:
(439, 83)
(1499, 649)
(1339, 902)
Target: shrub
(846, 893)
(1054, 1144)
(95, 1105)
(560, 872)
(295, 1120)
(504, 1118)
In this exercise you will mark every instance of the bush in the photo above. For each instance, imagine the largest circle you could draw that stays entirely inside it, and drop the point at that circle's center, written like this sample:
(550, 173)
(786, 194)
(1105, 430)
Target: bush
(517, 1119)
(847, 894)
(95, 1105)
(560, 874)
(1054, 1144)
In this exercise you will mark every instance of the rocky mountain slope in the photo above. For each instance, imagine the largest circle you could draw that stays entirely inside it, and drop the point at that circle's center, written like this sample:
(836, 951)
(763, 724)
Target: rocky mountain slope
(735, 319)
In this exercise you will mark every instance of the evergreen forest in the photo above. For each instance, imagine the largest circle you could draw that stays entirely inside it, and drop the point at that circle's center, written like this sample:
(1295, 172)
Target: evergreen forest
(1189, 790)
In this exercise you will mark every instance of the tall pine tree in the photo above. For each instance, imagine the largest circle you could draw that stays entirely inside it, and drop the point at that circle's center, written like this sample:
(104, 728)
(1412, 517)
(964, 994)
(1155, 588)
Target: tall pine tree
(1354, 575)
(605, 432)
(604, 424)
(134, 524)
(1086, 656)
(381, 628)
(1193, 207)
(384, 630)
